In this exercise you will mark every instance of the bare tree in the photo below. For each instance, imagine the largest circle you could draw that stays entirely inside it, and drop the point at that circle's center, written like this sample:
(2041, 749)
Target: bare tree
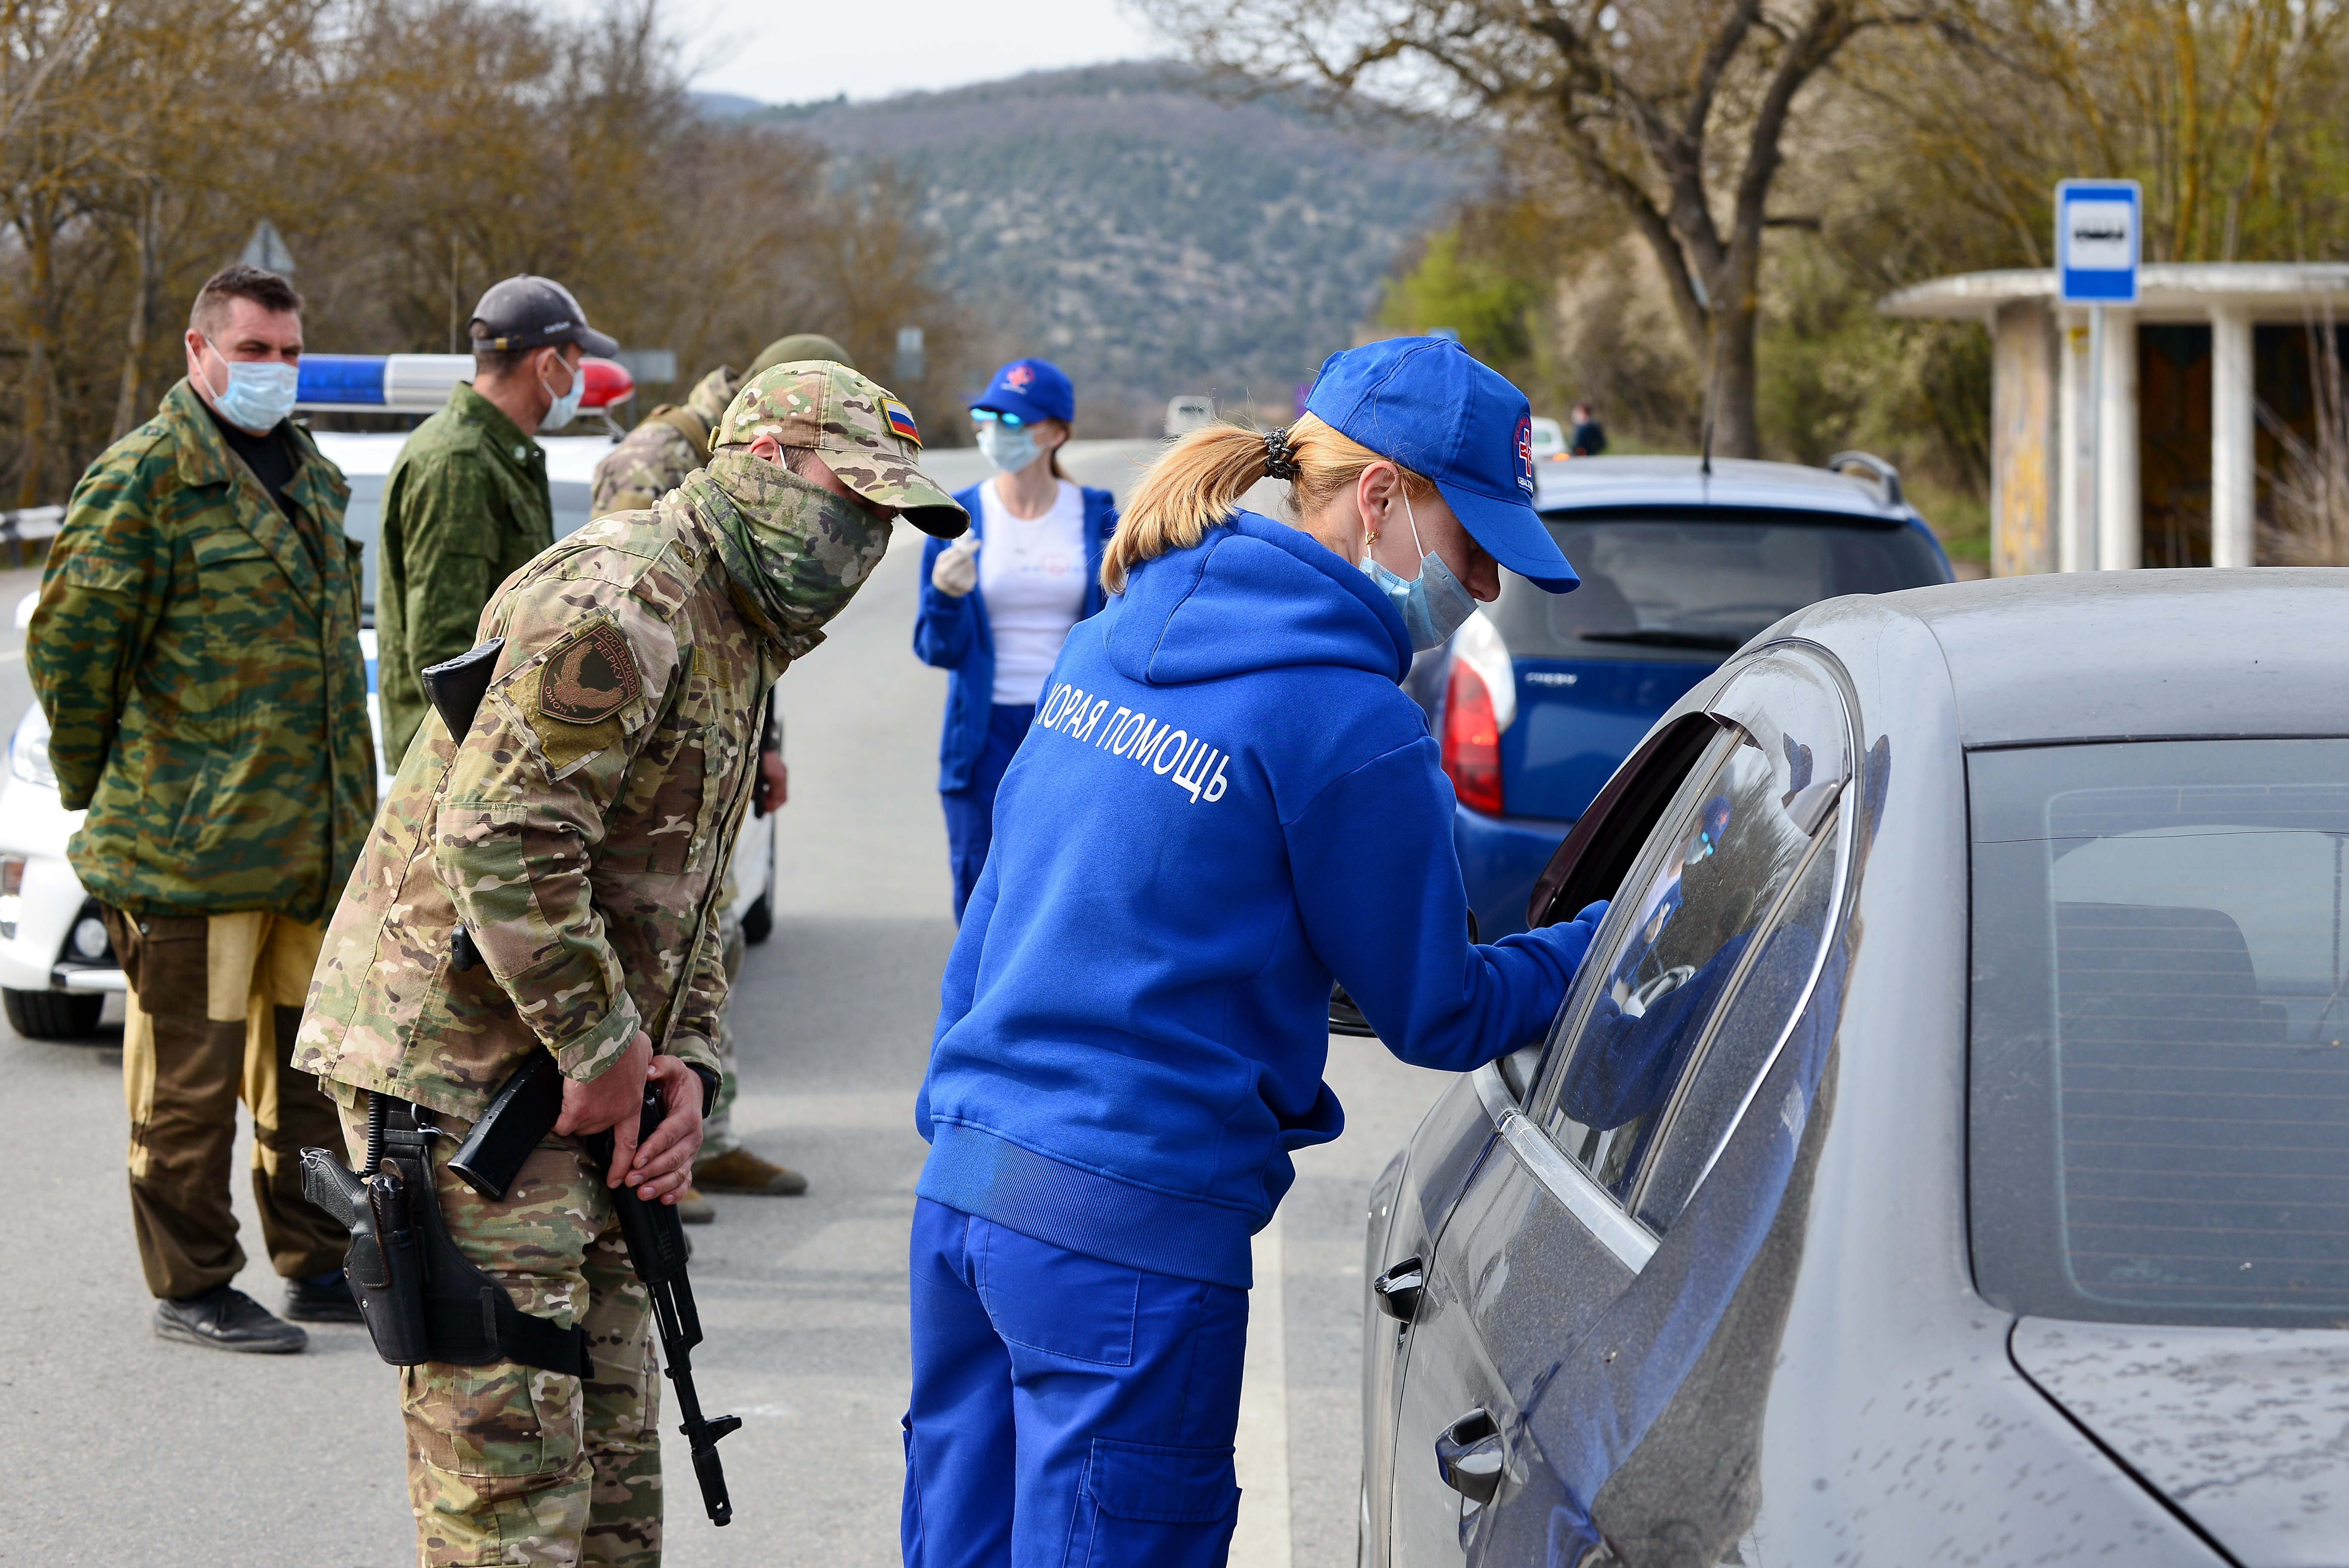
(1678, 111)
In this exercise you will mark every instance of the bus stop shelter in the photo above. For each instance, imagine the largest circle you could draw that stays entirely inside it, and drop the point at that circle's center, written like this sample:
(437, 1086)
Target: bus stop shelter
(2183, 455)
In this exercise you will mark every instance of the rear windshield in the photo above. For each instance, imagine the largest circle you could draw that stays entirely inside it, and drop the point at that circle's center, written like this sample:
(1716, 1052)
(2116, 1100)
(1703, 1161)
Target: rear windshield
(2160, 1048)
(1671, 586)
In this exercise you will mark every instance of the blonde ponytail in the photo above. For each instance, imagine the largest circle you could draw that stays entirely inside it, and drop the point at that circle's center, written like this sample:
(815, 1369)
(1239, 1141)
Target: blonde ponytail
(1199, 480)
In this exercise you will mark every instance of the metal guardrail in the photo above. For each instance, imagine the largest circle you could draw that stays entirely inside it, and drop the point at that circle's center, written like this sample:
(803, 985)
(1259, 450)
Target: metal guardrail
(24, 535)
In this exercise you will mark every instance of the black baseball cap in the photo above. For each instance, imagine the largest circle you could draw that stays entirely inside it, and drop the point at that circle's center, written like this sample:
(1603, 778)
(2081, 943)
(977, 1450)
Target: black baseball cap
(527, 312)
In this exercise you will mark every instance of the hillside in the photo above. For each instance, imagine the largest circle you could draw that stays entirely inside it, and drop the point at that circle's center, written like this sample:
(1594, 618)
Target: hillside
(1150, 237)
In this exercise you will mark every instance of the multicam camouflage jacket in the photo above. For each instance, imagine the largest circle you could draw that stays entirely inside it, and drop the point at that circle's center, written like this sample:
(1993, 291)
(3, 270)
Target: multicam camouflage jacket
(667, 444)
(197, 654)
(464, 506)
(580, 830)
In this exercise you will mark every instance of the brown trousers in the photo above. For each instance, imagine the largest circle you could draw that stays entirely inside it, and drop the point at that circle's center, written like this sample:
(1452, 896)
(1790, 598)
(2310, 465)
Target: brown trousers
(214, 1002)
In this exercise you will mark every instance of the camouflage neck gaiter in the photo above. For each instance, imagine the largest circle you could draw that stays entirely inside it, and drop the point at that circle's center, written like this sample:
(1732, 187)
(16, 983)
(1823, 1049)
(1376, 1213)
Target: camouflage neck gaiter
(799, 551)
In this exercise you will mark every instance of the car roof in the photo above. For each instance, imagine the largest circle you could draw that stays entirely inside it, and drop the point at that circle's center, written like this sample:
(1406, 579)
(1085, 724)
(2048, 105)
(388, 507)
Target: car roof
(369, 453)
(2133, 655)
(1593, 482)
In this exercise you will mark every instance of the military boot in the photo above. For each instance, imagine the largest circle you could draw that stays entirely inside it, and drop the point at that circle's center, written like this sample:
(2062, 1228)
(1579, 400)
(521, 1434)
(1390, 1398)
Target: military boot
(323, 1298)
(693, 1208)
(740, 1170)
(225, 1318)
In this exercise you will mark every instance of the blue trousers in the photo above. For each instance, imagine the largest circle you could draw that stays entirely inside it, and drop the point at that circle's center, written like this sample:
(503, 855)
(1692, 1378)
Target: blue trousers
(1067, 1413)
(971, 810)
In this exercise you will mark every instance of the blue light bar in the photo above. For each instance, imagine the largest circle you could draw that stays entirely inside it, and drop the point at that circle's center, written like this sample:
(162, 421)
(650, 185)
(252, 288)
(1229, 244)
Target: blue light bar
(341, 381)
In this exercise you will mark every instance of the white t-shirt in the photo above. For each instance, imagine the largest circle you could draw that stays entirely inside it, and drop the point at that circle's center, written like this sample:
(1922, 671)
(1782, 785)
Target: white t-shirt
(1032, 573)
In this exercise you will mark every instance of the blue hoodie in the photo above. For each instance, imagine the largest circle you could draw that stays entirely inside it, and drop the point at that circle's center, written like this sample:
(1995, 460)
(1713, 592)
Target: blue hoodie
(1227, 800)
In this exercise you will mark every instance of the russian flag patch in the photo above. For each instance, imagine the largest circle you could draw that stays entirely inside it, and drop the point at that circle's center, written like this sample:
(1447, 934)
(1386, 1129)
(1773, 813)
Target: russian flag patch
(901, 419)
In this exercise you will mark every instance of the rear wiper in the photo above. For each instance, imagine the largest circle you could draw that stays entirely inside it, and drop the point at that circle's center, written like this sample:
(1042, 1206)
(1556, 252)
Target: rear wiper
(1660, 639)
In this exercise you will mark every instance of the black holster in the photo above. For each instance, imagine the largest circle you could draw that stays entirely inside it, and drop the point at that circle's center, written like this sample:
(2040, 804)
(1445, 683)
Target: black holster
(422, 1298)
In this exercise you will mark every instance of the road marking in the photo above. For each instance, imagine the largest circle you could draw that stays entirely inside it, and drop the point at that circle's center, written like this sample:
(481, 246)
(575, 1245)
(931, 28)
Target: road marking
(1261, 1537)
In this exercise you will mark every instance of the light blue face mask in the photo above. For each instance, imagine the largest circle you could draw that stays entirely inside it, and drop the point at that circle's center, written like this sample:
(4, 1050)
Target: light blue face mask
(564, 409)
(259, 395)
(1009, 449)
(1435, 605)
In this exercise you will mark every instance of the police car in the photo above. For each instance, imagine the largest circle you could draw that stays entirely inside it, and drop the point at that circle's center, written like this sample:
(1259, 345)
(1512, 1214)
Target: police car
(57, 965)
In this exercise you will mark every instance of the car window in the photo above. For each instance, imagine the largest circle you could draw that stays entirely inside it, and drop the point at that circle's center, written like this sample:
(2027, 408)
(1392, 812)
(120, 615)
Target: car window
(1661, 585)
(1745, 1039)
(1707, 882)
(2159, 1103)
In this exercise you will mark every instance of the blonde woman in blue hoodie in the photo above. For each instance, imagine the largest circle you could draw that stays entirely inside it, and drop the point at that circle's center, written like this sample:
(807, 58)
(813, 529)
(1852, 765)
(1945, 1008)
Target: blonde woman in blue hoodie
(1225, 801)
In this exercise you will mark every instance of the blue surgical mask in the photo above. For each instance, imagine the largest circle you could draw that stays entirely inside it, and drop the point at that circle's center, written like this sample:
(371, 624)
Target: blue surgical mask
(564, 409)
(1008, 449)
(260, 393)
(1435, 605)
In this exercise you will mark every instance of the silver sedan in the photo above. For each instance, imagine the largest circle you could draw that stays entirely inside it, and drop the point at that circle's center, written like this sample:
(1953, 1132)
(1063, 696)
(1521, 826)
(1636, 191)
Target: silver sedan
(1944, 1156)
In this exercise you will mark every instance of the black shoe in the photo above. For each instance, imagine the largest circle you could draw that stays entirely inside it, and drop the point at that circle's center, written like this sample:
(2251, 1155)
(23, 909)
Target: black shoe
(322, 1301)
(226, 1318)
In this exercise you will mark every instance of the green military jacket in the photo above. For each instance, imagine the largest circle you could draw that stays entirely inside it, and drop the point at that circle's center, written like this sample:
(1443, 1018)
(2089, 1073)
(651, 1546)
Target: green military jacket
(464, 507)
(197, 655)
(582, 830)
(667, 444)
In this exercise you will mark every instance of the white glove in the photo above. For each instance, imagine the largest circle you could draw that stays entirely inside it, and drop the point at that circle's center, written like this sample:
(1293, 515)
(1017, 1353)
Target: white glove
(956, 572)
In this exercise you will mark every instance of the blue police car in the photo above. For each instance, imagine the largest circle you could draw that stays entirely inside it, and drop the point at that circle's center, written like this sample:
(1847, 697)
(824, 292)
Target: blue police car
(1538, 697)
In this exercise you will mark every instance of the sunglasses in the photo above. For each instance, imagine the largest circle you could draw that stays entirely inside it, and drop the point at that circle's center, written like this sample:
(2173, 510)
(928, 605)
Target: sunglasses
(989, 417)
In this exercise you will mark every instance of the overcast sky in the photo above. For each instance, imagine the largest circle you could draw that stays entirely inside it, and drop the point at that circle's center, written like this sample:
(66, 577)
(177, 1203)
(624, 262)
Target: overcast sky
(792, 54)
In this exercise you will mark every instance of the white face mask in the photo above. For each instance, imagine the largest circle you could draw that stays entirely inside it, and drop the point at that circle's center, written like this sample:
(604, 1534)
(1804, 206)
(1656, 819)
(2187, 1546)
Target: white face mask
(1436, 603)
(566, 407)
(260, 392)
(1009, 449)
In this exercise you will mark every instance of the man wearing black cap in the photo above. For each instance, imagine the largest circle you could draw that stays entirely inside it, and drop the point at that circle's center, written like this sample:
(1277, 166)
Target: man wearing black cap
(466, 503)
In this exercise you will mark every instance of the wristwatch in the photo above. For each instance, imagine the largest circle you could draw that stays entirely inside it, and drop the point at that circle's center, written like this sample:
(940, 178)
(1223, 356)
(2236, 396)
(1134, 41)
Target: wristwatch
(710, 1082)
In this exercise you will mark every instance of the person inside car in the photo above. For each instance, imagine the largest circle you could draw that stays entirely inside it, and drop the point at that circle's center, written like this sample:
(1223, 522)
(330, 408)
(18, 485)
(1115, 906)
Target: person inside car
(1226, 800)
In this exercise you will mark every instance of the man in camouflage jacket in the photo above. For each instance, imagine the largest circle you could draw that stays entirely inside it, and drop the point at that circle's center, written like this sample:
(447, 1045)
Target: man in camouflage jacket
(650, 461)
(196, 651)
(466, 502)
(578, 832)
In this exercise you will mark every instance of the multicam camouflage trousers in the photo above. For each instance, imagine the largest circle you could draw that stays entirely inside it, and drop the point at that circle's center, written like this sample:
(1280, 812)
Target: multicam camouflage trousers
(509, 1464)
(718, 1127)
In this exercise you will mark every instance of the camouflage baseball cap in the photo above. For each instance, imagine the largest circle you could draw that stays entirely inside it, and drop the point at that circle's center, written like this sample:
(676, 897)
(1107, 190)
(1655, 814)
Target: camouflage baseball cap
(865, 434)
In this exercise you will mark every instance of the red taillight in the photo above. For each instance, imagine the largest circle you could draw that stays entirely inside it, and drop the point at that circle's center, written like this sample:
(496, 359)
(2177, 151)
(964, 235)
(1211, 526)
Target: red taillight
(1472, 741)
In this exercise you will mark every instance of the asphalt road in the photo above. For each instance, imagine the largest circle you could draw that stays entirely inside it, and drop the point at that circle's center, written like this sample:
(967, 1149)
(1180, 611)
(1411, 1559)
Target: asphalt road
(122, 1448)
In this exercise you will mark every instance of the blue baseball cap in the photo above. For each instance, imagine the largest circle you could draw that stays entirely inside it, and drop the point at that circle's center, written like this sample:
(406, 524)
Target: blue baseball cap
(1427, 404)
(1032, 388)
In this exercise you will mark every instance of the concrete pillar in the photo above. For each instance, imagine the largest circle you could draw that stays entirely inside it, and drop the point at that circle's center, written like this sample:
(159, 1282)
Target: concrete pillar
(2120, 520)
(2234, 483)
(2075, 534)
(2024, 439)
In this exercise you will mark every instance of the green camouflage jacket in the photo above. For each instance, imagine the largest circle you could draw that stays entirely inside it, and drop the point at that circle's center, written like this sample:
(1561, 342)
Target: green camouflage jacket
(197, 654)
(582, 830)
(464, 507)
(669, 443)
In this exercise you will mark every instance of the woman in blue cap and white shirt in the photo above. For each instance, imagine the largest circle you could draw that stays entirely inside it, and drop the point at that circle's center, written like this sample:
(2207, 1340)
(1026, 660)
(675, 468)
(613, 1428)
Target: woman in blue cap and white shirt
(997, 616)
(1227, 800)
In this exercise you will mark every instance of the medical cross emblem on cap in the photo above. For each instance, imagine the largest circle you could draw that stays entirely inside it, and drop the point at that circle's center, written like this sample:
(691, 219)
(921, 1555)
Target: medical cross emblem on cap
(1526, 454)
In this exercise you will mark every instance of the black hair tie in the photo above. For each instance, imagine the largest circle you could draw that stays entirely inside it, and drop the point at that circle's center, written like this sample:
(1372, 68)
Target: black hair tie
(1279, 463)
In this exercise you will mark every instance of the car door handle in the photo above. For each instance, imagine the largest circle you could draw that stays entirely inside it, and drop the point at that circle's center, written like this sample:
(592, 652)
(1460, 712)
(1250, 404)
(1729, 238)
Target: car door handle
(1470, 1456)
(1399, 1289)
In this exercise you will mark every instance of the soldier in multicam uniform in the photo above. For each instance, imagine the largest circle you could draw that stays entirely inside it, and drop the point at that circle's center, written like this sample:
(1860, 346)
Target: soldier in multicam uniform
(577, 832)
(649, 461)
(196, 651)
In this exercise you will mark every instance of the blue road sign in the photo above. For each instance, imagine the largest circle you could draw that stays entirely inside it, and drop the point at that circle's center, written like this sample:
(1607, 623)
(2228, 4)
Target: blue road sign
(2098, 240)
